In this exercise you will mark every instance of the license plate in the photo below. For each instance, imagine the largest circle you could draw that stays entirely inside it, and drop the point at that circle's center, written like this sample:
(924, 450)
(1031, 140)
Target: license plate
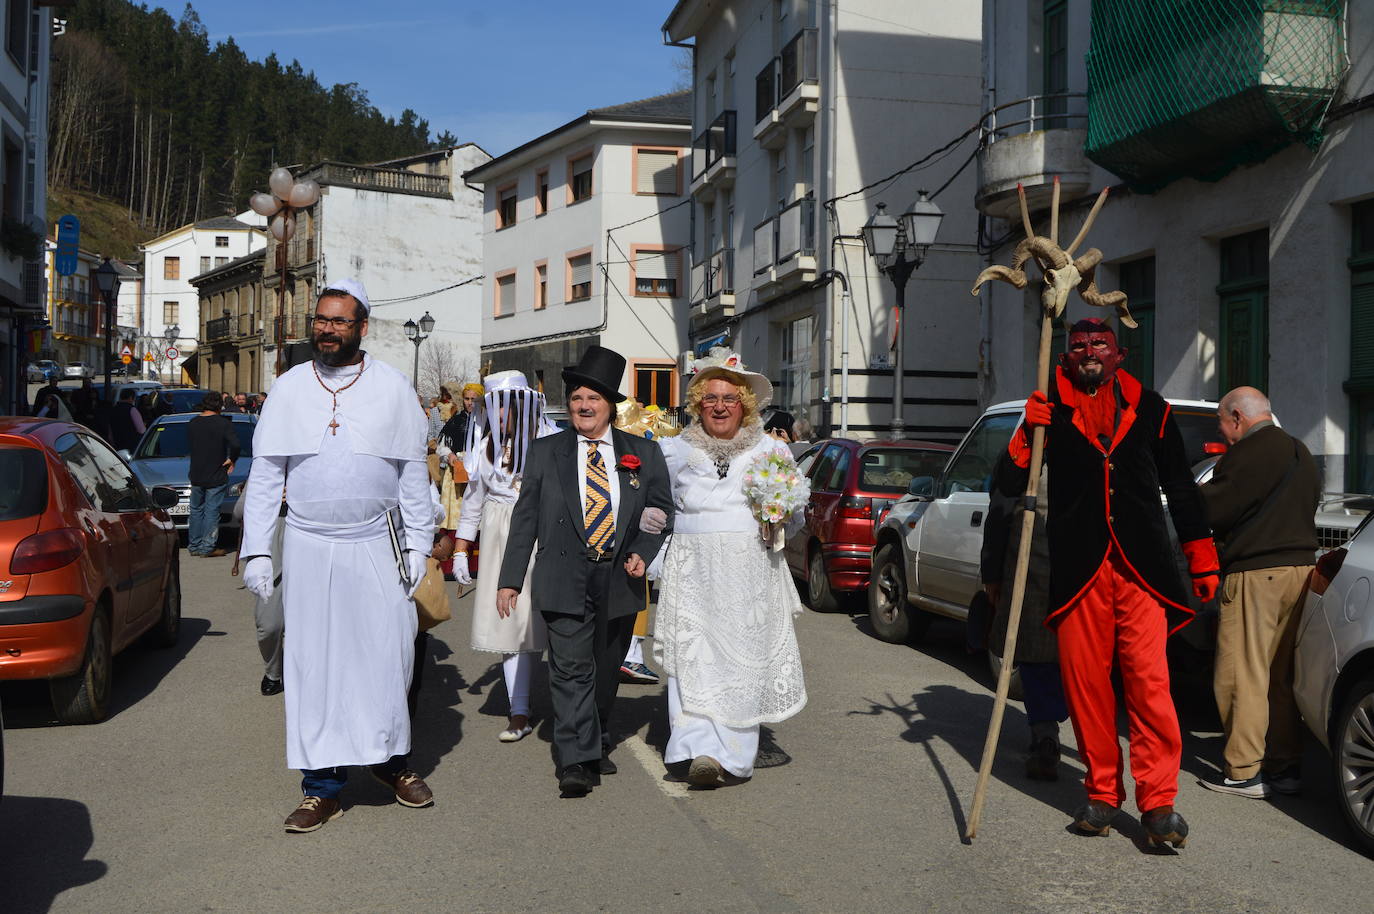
(179, 509)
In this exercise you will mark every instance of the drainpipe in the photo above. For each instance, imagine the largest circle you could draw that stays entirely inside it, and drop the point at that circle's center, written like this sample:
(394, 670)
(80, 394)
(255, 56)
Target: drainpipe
(831, 90)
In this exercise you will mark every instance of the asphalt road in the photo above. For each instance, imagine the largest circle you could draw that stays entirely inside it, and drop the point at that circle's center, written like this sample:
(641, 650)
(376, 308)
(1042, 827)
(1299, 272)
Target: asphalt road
(175, 803)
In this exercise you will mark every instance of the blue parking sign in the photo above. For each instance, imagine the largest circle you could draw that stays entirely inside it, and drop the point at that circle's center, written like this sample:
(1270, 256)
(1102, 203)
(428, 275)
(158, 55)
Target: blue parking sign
(68, 241)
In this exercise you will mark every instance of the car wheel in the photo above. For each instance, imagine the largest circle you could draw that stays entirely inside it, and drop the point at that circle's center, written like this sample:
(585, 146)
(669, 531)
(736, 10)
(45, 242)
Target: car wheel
(85, 697)
(1014, 689)
(818, 593)
(894, 619)
(1353, 754)
(168, 628)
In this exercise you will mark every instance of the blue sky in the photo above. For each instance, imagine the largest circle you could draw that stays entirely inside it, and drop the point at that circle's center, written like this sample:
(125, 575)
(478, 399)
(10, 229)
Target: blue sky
(494, 73)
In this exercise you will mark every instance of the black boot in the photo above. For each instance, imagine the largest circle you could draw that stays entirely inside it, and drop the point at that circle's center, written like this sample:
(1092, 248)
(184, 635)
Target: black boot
(1042, 759)
(1095, 818)
(1164, 826)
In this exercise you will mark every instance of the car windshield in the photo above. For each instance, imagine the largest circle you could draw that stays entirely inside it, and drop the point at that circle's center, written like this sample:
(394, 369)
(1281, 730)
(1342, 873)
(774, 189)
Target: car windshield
(1198, 426)
(23, 482)
(892, 469)
(185, 400)
(168, 439)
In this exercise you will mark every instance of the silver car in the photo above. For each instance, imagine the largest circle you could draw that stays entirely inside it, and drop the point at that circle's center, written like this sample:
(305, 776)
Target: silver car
(1334, 673)
(79, 370)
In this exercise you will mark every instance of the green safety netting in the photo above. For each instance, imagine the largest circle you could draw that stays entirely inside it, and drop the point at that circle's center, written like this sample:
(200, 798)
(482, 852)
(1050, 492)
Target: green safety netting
(1194, 88)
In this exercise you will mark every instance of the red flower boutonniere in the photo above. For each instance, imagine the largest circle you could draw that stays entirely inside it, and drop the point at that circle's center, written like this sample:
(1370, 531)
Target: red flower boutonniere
(630, 464)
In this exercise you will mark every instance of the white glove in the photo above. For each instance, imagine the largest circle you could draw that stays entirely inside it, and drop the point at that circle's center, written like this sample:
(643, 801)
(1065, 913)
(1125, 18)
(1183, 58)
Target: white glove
(257, 577)
(653, 520)
(460, 568)
(415, 564)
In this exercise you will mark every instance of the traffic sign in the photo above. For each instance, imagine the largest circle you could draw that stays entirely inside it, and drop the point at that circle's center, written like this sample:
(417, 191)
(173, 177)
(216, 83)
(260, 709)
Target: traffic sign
(127, 352)
(126, 358)
(147, 356)
(68, 241)
(173, 352)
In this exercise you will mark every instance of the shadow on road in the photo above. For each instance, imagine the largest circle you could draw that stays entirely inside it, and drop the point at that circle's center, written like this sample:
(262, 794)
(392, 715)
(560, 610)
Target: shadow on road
(43, 849)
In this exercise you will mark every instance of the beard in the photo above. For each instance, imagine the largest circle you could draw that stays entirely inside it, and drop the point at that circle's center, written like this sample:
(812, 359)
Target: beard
(345, 353)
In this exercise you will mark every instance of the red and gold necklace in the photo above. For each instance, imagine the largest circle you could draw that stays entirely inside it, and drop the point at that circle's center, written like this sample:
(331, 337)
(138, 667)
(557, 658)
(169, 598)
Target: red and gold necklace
(334, 392)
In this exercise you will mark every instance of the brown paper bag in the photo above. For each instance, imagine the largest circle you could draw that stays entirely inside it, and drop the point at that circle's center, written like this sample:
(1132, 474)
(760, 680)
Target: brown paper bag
(431, 599)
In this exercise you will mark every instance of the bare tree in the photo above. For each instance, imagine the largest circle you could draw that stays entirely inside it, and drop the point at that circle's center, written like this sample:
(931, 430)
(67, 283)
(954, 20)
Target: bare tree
(441, 364)
(682, 70)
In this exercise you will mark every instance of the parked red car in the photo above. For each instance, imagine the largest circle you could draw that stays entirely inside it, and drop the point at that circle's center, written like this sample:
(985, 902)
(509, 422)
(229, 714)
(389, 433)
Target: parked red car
(89, 562)
(853, 483)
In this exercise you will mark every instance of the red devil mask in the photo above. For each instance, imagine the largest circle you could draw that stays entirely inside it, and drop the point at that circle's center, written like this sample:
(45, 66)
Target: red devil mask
(1093, 355)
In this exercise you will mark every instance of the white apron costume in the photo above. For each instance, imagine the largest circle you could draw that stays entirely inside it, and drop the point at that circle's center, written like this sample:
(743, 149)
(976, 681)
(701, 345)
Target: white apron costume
(350, 649)
(724, 630)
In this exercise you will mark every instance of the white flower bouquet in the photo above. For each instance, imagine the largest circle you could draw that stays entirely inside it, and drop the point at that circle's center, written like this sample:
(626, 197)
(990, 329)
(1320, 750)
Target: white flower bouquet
(774, 489)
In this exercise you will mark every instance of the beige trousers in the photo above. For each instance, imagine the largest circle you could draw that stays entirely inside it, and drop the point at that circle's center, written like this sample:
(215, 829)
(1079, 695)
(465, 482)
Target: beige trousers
(1253, 683)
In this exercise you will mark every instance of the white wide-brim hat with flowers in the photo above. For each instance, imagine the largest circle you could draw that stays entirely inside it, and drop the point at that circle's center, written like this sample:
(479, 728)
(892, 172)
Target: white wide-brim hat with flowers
(720, 360)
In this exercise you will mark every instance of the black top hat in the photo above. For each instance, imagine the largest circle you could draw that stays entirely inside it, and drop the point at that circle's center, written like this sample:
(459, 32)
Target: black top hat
(600, 369)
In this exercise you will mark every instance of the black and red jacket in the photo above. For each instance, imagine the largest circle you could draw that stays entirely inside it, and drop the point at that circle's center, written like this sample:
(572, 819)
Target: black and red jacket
(1108, 492)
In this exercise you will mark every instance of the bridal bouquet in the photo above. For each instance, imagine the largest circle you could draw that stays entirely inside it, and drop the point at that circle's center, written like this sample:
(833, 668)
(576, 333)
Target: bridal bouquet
(774, 489)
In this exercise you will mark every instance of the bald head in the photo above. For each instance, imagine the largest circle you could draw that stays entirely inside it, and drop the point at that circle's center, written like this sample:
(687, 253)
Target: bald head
(1239, 410)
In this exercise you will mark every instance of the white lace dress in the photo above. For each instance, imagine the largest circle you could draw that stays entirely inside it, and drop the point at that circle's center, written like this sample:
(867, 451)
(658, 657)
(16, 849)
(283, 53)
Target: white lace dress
(723, 631)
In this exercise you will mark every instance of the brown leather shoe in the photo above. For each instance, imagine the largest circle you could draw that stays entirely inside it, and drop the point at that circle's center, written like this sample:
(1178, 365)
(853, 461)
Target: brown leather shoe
(312, 813)
(216, 553)
(409, 788)
(1164, 826)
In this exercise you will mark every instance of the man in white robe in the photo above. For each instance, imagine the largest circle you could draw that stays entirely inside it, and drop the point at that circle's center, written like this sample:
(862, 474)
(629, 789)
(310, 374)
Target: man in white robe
(345, 428)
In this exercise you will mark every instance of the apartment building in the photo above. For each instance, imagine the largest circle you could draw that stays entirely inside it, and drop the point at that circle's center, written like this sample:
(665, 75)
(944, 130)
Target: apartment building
(171, 316)
(233, 305)
(410, 231)
(1241, 215)
(804, 113)
(24, 81)
(584, 241)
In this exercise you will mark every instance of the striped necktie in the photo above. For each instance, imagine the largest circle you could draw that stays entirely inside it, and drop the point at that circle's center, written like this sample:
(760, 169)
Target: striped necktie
(598, 520)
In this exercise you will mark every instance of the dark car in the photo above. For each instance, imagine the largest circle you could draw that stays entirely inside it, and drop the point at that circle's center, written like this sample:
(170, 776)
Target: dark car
(163, 458)
(853, 483)
(182, 399)
(90, 561)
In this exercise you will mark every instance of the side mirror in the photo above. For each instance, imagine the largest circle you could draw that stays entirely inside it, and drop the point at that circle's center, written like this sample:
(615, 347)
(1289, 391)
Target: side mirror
(164, 496)
(124, 453)
(921, 486)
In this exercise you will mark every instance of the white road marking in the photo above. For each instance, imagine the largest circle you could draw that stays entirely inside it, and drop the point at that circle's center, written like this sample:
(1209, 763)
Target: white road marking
(653, 764)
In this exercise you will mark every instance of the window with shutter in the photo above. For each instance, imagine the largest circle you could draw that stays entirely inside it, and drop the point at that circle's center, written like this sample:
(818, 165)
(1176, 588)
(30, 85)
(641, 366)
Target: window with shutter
(656, 171)
(1243, 350)
(505, 210)
(1360, 386)
(579, 178)
(541, 286)
(505, 294)
(1138, 282)
(579, 277)
(656, 272)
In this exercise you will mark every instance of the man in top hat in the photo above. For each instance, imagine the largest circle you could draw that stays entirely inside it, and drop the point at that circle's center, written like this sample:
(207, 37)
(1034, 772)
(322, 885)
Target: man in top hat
(1115, 593)
(581, 498)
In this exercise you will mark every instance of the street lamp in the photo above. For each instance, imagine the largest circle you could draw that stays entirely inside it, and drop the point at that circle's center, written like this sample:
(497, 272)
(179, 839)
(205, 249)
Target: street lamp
(899, 246)
(417, 334)
(171, 335)
(107, 281)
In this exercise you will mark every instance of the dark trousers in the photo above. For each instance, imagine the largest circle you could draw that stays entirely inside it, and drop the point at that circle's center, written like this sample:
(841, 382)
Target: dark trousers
(329, 782)
(585, 652)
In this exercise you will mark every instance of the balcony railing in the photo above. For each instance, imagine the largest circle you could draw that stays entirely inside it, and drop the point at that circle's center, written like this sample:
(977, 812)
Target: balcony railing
(791, 233)
(766, 90)
(74, 296)
(1067, 110)
(217, 329)
(797, 63)
(714, 276)
(396, 180)
(716, 142)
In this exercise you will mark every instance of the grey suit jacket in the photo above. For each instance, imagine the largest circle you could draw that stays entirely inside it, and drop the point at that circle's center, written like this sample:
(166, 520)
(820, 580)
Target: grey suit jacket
(549, 513)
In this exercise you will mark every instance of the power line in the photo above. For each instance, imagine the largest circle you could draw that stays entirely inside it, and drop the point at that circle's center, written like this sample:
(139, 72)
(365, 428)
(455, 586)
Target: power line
(406, 298)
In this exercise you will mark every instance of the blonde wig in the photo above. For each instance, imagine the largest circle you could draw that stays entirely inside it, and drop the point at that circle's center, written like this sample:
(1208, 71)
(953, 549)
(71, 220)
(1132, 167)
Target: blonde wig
(749, 402)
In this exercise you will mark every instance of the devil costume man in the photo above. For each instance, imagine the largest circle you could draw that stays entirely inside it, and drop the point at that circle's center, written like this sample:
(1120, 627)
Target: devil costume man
(351, 439)
(1115, 593)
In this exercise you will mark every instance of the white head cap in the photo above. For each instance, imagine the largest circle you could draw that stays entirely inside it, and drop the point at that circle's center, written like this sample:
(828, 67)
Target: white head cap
(505, 380)
(352, 287)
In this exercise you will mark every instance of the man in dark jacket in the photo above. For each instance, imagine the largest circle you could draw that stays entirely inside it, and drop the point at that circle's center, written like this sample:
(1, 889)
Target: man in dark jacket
(213, 446)
(126, 423)
(1115, 593)
(1261, 502)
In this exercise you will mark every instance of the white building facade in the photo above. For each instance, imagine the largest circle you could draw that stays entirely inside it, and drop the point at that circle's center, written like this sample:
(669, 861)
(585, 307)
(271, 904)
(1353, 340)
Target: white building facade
(170, 317)
(804, 113)
(411, 232)
(24, 81)
(585, 239)
(1240, 220)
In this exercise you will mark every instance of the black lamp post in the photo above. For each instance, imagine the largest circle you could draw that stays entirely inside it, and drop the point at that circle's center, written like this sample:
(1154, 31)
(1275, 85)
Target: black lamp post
(417, 334)
(899, 246)
(107, 281)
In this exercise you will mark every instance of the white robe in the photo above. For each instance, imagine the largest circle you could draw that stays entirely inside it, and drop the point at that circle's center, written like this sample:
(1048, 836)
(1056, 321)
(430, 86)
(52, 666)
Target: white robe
(349, 648)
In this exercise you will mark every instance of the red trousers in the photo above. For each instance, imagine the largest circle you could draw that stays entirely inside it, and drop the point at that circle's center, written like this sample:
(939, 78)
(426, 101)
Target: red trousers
(1117, 619)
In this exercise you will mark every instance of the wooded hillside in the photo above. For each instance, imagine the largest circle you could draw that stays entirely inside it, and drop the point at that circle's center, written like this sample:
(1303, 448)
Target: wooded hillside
(146, 113)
